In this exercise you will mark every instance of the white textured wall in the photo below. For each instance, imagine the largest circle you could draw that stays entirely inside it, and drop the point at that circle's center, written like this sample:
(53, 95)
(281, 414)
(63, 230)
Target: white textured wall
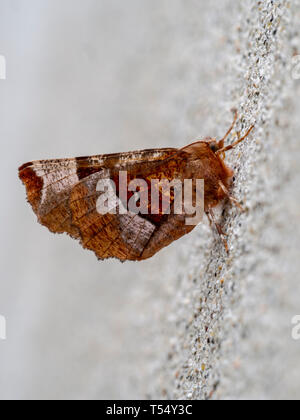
(106, 76)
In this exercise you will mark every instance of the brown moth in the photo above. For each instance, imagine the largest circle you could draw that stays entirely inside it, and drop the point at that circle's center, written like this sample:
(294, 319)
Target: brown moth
(63, 194)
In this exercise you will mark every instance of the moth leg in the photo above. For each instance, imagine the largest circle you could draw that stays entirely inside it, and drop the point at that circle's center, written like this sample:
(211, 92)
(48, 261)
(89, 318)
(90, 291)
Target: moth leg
(209, 218)
(212, 219)
(230, 197)
(237, 203)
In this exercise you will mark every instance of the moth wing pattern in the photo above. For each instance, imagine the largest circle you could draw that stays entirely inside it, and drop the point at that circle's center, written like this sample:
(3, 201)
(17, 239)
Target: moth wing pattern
(122, 236)
(63, 195)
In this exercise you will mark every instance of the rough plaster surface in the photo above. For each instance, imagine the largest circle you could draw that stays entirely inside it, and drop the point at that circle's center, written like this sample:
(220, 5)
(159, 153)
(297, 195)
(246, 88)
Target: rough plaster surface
(233, 335)
(193, 322)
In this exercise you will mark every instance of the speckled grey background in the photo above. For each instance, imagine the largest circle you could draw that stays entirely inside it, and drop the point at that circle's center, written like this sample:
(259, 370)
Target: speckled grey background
(106, 76)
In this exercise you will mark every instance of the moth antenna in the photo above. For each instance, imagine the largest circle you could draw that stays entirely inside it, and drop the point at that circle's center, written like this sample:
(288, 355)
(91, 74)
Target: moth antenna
(221, 142)
(230, 129)
(232, 146)
(231, 198)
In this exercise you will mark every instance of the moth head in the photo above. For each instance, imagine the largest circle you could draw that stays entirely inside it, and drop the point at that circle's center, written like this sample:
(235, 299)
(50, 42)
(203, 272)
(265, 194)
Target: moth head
(215, 145)
(200, 148)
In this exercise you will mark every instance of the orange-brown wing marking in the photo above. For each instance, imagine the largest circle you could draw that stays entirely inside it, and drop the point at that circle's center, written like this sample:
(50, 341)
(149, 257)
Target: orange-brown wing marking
(48, 192)
(51, 190)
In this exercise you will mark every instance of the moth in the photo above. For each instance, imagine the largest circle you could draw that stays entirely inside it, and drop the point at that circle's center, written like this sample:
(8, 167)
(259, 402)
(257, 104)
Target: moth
(63, 194)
